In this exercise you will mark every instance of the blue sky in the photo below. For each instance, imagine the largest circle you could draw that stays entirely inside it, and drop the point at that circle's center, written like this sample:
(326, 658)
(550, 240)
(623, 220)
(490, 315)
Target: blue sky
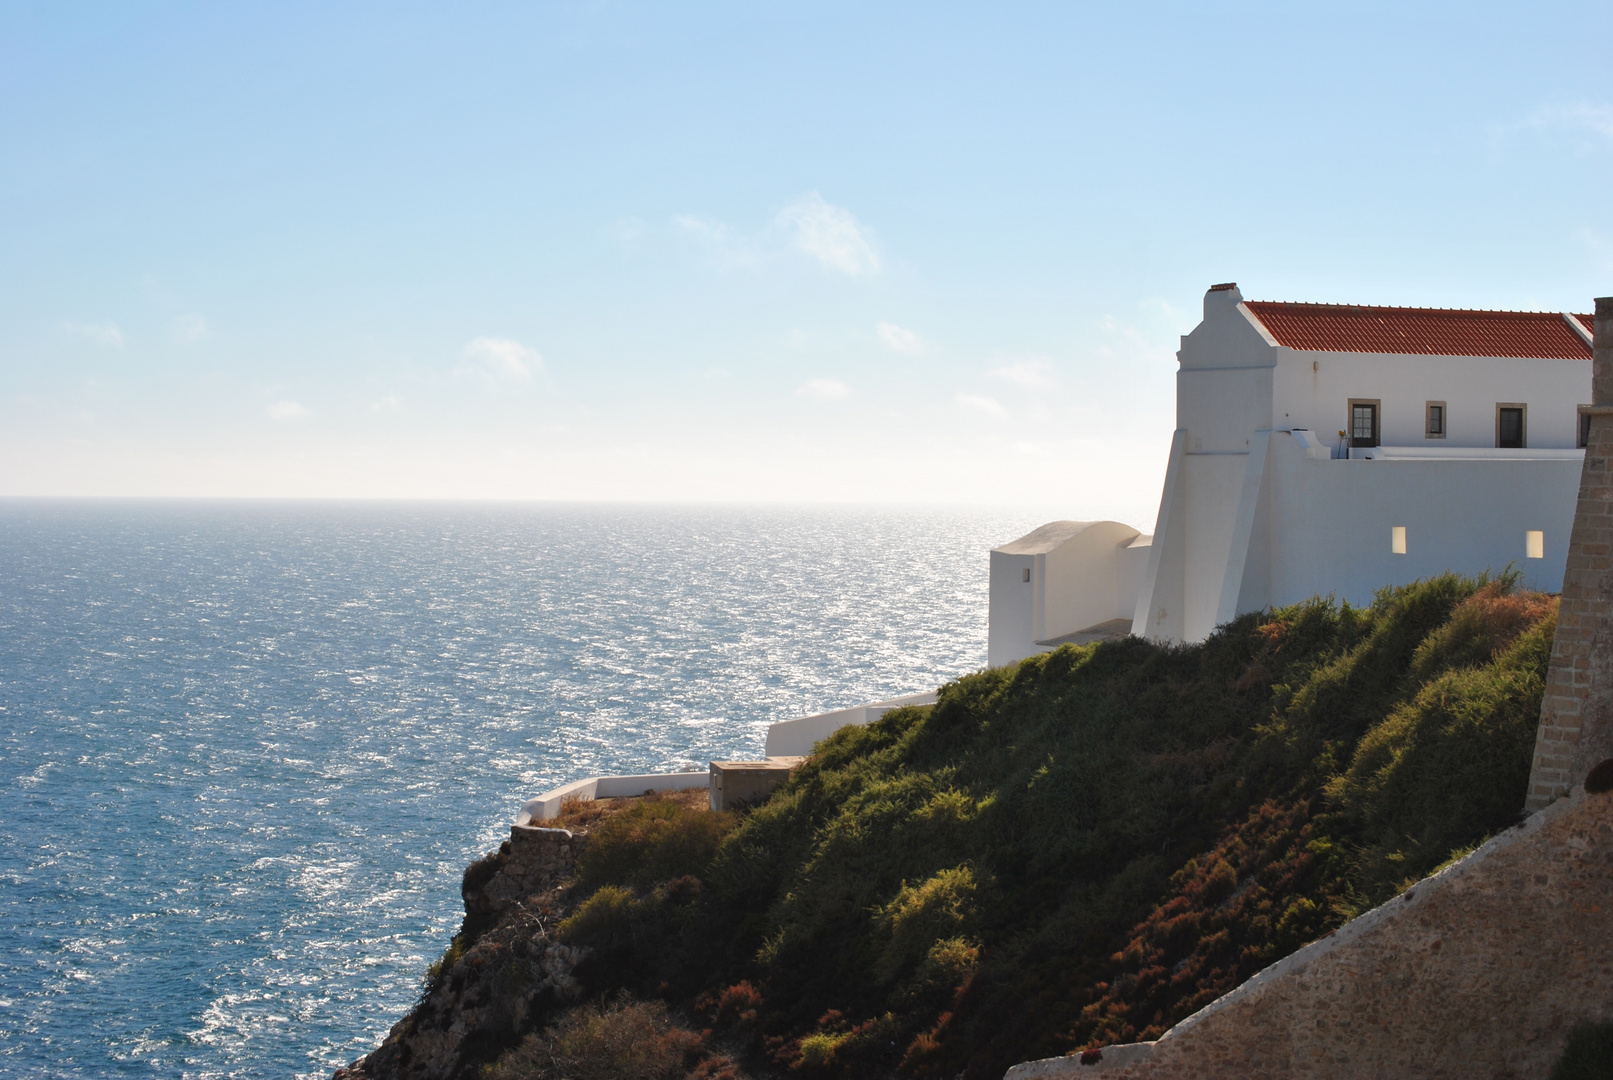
(917, 253)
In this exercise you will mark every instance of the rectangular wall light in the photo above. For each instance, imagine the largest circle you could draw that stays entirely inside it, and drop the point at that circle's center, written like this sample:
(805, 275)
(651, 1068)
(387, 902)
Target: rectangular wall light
(1397, 540)
(1534, 544)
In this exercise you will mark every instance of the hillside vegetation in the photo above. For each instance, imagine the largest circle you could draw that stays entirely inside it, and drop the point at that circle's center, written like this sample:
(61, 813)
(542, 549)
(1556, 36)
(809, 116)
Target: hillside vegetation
(1080, 849)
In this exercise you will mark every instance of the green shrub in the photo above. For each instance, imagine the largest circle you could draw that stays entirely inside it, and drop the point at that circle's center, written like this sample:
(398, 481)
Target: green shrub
(1448, 767)
(653, 840)
(1089, 845)
(604, 921)
(919, 916)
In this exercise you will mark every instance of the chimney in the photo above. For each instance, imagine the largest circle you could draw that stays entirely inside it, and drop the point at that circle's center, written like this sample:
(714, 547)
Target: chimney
(1224, 294)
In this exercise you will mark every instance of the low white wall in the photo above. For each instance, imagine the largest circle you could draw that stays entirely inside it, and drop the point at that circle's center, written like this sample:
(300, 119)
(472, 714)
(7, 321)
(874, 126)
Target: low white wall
(787, 738)
(548, 804)
(796, 738)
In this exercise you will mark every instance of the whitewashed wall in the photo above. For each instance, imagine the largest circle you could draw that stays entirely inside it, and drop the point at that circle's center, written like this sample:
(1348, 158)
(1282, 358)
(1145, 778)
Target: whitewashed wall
(1325, 525)
(1089, 578)
(1279, 525)
(1313, 390)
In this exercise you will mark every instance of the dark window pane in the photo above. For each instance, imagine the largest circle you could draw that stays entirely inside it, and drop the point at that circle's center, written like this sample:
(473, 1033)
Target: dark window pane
(1436, 419)
(1584, 429)
(1364, 425)
(1511, 433)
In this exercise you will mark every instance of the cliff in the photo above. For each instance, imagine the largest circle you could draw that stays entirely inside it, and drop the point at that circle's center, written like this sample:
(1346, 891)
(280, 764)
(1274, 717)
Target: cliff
(1079, 850)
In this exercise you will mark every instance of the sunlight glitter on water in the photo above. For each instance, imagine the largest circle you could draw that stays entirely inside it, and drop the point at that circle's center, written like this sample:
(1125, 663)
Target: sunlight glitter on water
(251, 747)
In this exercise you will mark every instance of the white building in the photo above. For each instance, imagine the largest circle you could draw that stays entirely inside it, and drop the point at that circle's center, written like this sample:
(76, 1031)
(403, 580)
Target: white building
(1325, 449)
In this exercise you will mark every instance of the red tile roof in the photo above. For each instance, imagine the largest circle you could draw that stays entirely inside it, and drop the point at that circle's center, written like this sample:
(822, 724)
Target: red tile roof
(1421, 331)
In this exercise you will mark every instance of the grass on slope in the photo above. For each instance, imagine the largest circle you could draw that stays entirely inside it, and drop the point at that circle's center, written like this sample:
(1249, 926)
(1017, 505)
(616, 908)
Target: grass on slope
(1082, 848)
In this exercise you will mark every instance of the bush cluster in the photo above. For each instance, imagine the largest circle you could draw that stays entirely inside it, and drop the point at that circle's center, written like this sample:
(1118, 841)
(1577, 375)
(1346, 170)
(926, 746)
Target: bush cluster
(1081, 848)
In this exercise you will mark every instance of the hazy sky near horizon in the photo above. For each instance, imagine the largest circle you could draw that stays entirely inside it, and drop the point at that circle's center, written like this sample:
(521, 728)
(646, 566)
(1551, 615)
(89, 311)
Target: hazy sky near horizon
(828, 251)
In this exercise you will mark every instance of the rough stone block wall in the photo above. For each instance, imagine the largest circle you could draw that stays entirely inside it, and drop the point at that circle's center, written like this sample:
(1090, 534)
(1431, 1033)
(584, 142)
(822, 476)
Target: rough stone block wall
(532, 861)
(1478, 972)
(1576, 715)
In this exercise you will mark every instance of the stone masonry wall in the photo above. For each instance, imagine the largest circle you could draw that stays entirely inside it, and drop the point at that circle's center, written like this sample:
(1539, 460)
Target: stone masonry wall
(1576, 715)
(1479, 972)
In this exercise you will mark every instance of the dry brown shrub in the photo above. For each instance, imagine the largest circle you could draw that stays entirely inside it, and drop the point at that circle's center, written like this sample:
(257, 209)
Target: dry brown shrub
(1482, 626)
(625, 1040)
(583, 815)
(734, 1007)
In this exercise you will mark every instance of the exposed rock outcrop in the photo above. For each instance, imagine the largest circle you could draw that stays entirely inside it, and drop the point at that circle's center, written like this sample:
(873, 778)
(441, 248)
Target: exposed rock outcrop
(503, 975)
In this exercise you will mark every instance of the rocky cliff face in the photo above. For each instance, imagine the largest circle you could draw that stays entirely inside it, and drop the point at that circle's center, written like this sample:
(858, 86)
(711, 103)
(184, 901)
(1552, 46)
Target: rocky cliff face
(505, 973)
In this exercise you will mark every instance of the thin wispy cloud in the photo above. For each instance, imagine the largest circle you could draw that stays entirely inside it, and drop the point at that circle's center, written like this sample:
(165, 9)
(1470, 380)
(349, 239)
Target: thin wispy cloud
(829, 233)
(823, 390)
(980, 403)
(627, 231)
(899, 340)
(1578, 116)
(1031, 372)
(1588, 122)
(810, 226)
(390, 403)
(723, 245)
(187, 328)
(286, 412)
(100, 333)
(502, 358)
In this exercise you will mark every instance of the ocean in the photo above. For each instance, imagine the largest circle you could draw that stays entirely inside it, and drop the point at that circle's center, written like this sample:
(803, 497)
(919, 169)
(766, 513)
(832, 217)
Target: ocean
(247, 748)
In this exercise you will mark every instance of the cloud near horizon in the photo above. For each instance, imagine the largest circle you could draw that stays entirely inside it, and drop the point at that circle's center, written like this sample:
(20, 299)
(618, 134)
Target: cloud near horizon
(1031, 372)
(823, 390)
(980, 403)
(899, 340)
(287, 411)
(829, 233)
(502, 357)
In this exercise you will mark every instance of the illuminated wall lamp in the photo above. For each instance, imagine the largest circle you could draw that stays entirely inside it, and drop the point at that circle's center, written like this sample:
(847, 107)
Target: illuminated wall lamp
(1397, 540)
(1534, 544)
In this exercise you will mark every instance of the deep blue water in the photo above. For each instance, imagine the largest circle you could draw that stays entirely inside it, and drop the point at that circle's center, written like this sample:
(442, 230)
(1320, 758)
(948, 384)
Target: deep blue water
(246, 749)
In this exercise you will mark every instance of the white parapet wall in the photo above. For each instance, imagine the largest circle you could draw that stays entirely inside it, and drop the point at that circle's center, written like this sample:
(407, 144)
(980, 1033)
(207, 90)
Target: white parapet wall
(796, 738)
(791, 739)
(548, 804)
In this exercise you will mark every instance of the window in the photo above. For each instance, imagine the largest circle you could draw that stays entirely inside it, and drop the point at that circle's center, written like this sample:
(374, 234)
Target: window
(1534, 544)
(1363, 422)
(1027, 576)
(1434, 428)
(1510, 430)
(1397, 539)
(1584, 438)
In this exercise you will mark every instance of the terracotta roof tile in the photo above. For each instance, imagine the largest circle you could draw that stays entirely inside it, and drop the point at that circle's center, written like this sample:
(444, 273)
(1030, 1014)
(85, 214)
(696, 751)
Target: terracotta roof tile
(1421, 331)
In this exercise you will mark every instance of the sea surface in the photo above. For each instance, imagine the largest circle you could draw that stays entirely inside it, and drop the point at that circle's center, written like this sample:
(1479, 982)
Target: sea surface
(247, 749)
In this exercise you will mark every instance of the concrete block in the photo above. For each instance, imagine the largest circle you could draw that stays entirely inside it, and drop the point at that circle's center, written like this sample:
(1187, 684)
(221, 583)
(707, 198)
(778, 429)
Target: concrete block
(735, 784)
